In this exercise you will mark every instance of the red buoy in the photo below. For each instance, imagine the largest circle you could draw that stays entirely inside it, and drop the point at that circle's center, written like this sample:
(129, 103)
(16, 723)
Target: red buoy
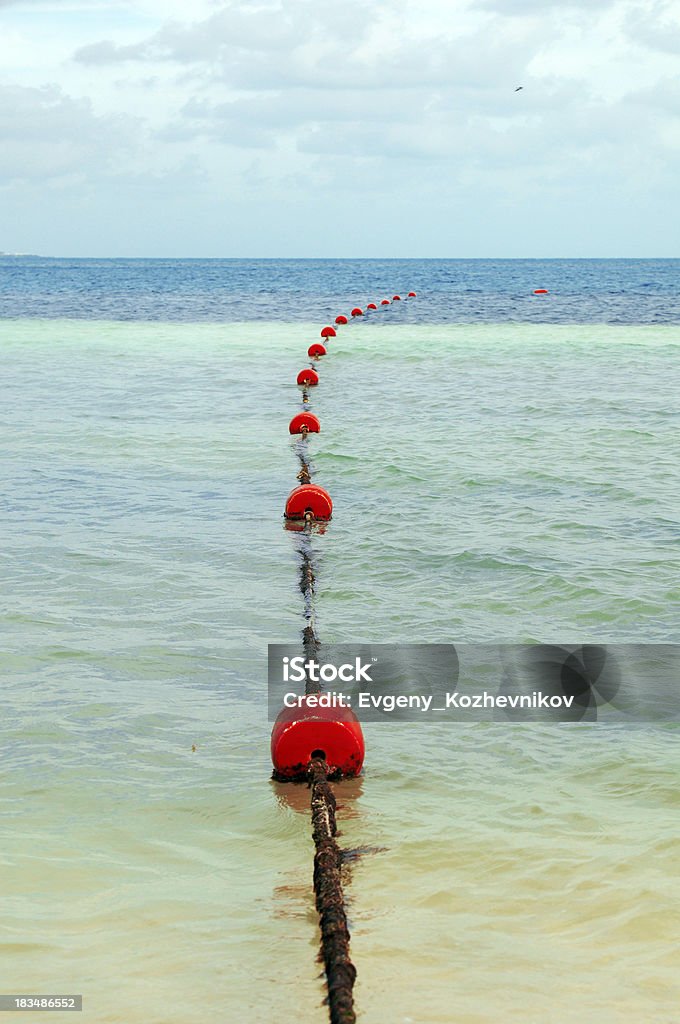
(304, 420)
(385, 302)
(540, 291)
(328, 332)
(308, 377)
(357, 312)
(341, 319)
(411, 295)
(371, 305)
(396, 298)
(301, 732)
(316, 350)
(309, 498)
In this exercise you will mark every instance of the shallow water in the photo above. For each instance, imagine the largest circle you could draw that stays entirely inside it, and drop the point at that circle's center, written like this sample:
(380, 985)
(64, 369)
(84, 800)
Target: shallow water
(491, 482)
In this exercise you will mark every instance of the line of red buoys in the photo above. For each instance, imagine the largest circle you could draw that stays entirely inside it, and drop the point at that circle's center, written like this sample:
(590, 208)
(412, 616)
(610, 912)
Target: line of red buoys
(299, 733)
(308, 377)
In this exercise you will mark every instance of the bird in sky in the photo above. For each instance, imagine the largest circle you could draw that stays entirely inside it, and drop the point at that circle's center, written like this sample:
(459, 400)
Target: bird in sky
(518, 88)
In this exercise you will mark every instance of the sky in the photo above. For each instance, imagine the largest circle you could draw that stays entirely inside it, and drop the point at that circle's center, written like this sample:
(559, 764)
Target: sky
(312, 128)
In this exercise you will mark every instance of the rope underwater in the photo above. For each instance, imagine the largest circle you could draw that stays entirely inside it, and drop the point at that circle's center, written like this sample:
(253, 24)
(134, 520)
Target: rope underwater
(317, 747)
(340, 971)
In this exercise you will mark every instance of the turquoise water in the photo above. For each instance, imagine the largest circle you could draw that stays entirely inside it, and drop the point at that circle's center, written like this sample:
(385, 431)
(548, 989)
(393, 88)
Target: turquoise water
(491, 482)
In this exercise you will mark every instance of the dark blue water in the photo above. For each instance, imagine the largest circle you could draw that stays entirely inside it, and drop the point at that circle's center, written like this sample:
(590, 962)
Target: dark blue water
(464, 291)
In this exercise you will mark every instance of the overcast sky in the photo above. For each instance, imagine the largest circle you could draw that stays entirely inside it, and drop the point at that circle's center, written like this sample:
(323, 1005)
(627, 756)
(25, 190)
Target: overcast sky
(340, 127)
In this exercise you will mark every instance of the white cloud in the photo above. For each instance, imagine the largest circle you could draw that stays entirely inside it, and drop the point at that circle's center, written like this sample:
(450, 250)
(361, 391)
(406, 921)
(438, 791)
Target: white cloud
(655, 24)
(512, 8)
(47, 135)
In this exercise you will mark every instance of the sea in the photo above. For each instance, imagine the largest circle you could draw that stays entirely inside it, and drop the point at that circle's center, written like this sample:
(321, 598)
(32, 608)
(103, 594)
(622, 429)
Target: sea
(504, 469)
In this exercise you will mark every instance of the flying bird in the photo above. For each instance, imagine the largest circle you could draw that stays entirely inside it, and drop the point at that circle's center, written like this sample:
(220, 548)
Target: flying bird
(518, 88)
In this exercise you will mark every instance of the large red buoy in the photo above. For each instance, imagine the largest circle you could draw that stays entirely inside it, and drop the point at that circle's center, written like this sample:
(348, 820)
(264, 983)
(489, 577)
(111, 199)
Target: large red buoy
(328, 332)
(304, 420)
(540, 291)
(371, 305)
(357, 312)
(309, 498)
(385, 302)
(411, 295)
(342, 319)
(308, 377)
(316, 350)
(301, 732)
(396, 298)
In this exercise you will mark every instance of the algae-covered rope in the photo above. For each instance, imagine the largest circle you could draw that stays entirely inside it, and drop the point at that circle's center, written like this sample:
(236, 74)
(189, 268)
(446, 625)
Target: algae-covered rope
(340, 971)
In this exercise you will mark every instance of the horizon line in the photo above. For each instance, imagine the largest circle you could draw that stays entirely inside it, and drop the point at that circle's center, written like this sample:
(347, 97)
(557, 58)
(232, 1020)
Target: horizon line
(332, 259)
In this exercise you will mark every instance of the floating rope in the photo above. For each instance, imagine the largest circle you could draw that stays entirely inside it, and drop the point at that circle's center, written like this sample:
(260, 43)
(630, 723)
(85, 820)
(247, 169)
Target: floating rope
(311, 504)
(340, 971)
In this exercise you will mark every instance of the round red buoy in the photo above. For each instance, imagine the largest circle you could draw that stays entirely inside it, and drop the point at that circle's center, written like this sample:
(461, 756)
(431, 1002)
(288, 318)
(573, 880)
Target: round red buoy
(309, 498)
(357, 312)
(328, 332)
(396, 298)
(411, 295)
(341, 319)
(316, 350)
(540, 291)
(302, 420)
(371, 305)
(308, 377)
(385, 302)
(301, 732)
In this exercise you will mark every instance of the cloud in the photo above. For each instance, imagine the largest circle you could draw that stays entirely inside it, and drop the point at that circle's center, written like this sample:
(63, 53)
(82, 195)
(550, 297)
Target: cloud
(233, 29)
(47, 134)
(325, 47)
(61, 5)
(539, 7)
(655, 25)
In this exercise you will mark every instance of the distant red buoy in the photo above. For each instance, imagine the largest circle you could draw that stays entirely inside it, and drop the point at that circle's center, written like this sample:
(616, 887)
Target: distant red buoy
(341, 319)
(300, 732)
(328, 332)
(396, 298)
(304, 420)
(540, 291)
(411, 295)
(357, 312)
(371, 305)
(316, 350)
(385, 302)
(309, 498)
(308, 377)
